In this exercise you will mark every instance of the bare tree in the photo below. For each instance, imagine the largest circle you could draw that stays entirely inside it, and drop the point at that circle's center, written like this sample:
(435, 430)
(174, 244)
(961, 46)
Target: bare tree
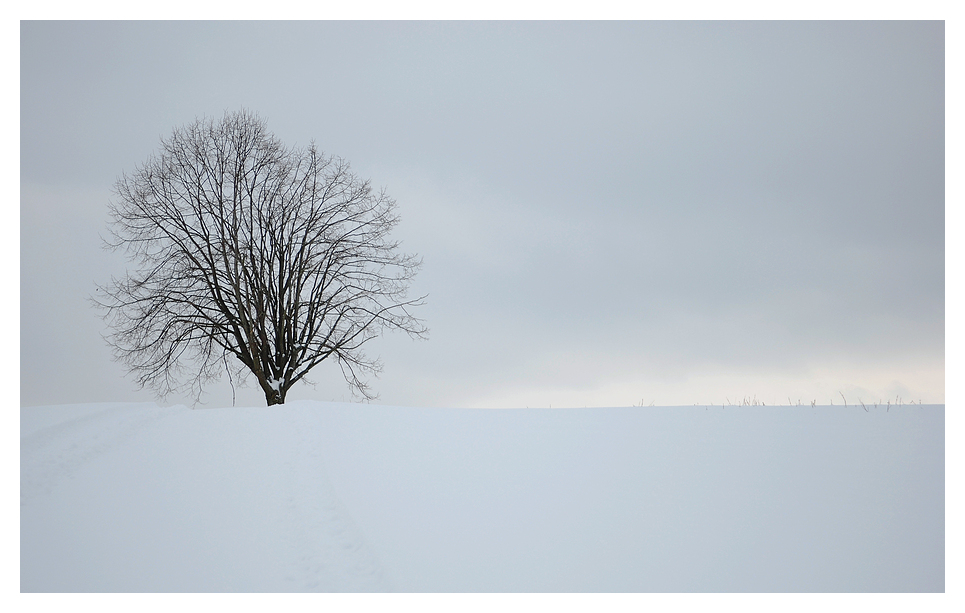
(279, 258)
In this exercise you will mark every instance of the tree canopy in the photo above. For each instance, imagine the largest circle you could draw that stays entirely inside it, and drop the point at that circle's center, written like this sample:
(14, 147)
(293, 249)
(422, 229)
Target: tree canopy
(253, 257)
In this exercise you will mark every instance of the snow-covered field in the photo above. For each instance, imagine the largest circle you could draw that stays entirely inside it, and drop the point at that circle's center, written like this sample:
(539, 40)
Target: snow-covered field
(349, 497)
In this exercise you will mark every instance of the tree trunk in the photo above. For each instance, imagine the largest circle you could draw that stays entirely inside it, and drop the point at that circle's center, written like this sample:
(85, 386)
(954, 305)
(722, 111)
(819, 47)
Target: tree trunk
(273, 396)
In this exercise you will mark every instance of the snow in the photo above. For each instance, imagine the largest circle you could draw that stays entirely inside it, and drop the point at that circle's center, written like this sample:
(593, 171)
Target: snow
(315, 496)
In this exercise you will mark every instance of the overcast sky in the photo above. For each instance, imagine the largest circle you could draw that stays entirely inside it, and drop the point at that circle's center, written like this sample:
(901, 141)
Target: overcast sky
(609, 213)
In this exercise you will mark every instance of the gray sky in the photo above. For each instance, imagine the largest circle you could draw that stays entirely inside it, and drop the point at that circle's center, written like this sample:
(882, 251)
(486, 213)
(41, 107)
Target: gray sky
(609, 212)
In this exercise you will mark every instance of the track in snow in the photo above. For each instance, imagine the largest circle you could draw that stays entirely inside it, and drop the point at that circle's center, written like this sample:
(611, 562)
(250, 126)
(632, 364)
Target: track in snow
(142, 498)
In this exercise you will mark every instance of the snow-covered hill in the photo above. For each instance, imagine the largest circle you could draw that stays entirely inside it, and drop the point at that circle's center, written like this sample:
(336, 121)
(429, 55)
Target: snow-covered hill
(346, 497)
